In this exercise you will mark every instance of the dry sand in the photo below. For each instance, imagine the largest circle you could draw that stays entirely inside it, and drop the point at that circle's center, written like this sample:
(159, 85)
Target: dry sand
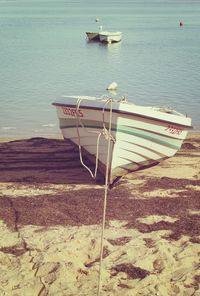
(50, 224)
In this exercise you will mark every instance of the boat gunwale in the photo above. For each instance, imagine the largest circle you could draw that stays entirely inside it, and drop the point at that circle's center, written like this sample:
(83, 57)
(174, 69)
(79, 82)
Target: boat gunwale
(123, 112)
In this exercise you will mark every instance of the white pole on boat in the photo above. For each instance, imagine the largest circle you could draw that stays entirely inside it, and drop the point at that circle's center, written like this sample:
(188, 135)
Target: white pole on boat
(105, 201)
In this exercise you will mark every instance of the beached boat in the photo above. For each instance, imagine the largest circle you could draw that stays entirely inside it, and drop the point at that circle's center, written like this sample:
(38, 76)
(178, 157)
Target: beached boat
(139, 136)
(92, 36)
(110, 37)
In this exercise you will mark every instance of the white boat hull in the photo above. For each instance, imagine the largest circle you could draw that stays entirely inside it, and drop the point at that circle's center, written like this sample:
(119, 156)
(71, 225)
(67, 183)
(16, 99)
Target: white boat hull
(143, 136)
(110, 37)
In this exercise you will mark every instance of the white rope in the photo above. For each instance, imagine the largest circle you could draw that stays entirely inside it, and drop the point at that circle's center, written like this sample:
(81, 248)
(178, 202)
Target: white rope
(105, 201)
(103, 132)
(108, 136)
(107, 133)
(93, 175)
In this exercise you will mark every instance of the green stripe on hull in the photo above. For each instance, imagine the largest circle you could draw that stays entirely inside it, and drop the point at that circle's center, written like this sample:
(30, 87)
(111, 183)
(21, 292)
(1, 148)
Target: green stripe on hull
(147, 136)
(122, 129)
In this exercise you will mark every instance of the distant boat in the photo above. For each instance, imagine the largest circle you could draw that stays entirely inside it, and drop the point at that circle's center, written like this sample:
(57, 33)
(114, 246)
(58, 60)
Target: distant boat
(139, 136)
(110, 37)
(93, 35)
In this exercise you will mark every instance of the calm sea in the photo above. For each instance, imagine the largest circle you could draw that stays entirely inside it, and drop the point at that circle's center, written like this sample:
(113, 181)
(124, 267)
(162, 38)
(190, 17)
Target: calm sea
(44, 54)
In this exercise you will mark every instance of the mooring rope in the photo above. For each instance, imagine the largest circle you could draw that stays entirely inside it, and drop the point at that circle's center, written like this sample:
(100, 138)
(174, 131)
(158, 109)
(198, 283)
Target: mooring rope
(93, 175)
(108, 136)
(105, 202)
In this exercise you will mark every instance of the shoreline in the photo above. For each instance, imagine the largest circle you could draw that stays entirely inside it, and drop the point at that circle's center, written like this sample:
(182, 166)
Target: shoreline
(26, 137)
(50, 224)
(58, 135)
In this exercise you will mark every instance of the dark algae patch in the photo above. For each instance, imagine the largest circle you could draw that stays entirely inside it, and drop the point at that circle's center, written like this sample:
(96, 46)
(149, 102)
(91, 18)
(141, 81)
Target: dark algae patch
(131, 271)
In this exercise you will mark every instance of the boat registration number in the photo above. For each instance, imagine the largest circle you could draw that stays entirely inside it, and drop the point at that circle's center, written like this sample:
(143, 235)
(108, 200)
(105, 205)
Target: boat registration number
(72, 112)
(174, 130)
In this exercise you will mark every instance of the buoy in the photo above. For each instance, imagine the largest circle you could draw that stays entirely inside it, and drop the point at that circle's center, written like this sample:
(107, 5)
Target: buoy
(181, 24)
(112, 86)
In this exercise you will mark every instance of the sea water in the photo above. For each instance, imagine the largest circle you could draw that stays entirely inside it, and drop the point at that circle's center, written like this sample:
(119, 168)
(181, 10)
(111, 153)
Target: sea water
(44, 54)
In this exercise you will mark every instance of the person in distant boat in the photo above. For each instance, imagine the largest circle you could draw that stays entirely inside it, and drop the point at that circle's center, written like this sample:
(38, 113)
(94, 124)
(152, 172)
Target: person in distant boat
(181, 24)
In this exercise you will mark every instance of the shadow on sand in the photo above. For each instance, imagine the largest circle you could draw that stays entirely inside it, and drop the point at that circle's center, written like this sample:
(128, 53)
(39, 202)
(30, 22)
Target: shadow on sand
(42, 160)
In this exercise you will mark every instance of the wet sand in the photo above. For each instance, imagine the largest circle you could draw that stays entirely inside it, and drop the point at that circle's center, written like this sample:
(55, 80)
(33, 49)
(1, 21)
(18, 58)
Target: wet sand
(50, 223)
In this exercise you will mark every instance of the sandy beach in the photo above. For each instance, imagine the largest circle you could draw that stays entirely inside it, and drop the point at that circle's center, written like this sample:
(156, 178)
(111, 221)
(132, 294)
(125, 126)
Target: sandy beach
(50, 224)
